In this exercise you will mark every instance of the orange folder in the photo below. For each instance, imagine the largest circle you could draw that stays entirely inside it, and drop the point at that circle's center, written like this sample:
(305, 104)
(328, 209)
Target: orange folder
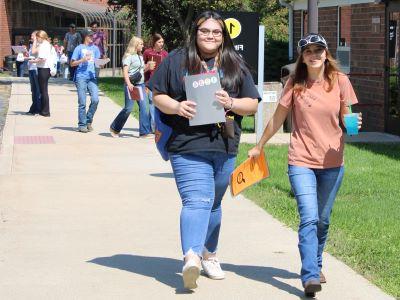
(248, 173)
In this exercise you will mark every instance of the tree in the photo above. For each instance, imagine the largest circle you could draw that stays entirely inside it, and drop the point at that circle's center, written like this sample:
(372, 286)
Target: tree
(173, 18)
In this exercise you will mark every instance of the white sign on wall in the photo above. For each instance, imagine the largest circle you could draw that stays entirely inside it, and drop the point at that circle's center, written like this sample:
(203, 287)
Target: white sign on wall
(270, 96)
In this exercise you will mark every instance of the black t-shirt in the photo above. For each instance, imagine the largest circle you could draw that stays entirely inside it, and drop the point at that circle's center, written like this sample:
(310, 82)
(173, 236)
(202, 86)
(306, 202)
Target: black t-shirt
(168, 79)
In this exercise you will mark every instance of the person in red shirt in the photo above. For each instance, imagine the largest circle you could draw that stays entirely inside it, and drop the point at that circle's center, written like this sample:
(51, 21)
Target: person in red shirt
(154, 56)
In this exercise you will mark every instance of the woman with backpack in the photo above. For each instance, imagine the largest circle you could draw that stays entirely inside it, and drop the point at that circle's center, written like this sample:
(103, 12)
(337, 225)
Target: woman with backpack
(203, 156)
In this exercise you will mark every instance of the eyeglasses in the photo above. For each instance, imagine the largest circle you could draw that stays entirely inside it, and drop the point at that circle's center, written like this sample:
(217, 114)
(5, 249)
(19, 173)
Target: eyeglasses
(312, 39)
(206, 32)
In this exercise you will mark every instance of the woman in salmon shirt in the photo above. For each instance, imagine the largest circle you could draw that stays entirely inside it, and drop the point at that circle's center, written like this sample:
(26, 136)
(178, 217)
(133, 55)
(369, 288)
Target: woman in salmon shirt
(318, 95)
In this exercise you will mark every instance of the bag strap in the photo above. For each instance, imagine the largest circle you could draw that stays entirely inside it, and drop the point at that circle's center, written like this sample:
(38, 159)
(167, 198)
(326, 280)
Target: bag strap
(140, 64)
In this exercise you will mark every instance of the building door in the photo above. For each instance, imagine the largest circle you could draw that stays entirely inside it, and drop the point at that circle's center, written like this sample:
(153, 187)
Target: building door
(393, 78)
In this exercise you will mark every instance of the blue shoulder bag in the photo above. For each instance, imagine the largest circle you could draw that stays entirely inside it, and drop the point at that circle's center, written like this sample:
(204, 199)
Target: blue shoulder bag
(162, 133)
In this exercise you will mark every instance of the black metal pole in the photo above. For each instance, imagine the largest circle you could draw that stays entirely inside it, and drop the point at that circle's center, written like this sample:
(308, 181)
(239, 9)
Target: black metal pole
(139, 18)
(114, 43)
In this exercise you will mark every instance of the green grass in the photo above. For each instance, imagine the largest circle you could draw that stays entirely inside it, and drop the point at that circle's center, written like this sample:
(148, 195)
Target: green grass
(113, 87)
(248, 124)
(365, 223)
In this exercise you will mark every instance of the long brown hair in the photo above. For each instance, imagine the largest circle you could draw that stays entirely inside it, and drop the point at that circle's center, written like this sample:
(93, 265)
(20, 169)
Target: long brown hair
(331, 69)
(154, 39)
(229, 61)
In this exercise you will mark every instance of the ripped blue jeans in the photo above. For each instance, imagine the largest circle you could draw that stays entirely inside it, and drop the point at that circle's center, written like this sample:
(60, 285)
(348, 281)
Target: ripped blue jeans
(202, 179)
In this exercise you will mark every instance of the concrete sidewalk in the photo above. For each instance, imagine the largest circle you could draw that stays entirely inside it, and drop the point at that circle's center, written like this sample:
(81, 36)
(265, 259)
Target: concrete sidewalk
(86, 216)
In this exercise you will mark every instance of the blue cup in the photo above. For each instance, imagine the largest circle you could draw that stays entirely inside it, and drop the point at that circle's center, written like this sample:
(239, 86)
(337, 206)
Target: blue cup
(351, 123)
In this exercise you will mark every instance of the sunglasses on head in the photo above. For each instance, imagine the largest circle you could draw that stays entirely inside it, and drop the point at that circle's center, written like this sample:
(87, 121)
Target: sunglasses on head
(312, 39)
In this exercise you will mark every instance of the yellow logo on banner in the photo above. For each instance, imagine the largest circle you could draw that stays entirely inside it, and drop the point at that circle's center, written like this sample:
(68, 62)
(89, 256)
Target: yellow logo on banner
(234, 27)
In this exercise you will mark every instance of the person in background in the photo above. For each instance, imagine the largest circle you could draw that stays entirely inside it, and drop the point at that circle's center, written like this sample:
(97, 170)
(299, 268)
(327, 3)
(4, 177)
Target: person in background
(100, 40)
(318, 95)
(155, 53)
(33, 79)
(59, 50)
(203, 157)
(71, 40)
(132, 62)
(85, 80)
(21, 60)
(42, 48)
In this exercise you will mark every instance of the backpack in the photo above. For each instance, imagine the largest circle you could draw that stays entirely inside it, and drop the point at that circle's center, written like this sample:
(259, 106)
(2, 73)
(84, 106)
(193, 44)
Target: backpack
(163, 133)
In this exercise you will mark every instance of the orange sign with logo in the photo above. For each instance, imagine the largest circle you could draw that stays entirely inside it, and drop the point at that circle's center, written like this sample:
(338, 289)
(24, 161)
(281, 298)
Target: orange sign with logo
(248, 173)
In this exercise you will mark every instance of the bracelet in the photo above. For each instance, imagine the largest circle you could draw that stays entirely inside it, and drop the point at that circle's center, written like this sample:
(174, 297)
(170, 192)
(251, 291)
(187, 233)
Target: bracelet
(230, 108)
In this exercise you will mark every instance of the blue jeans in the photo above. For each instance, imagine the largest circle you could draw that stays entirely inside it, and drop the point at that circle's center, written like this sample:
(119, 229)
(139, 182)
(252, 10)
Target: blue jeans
(82, 85)
(315, 191)
(202, 179)
(20, 68)
(122, 117)
(153, 125)
(35, 90)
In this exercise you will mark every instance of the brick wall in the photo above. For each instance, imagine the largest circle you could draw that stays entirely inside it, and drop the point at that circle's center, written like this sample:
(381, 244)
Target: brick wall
(6, 24)
(296, 30)
(368, 58)
(327, 26)
(5, 42)
(367, 55)
(345, 26)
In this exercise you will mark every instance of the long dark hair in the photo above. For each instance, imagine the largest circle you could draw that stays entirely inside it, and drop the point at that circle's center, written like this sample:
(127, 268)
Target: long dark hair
(155, 38)
(300, 74)
(229, 61)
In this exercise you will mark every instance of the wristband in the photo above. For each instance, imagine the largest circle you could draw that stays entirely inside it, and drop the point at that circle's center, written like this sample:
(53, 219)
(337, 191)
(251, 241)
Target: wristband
(231, 106)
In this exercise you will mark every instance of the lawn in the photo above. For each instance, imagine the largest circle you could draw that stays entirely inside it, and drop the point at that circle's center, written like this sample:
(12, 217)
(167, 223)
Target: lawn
(113, 88)
(365, 223)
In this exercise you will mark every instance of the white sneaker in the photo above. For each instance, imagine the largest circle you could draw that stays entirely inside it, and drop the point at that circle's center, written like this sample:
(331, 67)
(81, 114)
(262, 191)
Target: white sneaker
(212, 268)
(113, 133)
(190, 273)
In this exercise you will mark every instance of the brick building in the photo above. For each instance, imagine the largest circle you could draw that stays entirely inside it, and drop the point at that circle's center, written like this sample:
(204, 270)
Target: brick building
(363, 35)
(18, 18)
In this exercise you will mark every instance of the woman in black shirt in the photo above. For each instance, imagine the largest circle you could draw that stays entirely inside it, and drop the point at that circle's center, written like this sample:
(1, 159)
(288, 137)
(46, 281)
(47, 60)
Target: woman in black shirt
(203, 157)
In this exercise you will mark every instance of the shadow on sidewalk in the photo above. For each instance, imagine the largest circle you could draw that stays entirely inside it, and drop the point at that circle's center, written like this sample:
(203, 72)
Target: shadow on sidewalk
(132, 129)
(164, 270)
(267, 275)
(65, 128)
(121, 135)
(163, 175)
(19, 113)
(167, 271)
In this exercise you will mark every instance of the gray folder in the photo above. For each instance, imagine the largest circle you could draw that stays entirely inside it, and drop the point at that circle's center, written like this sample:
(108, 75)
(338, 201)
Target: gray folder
(201, 89)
